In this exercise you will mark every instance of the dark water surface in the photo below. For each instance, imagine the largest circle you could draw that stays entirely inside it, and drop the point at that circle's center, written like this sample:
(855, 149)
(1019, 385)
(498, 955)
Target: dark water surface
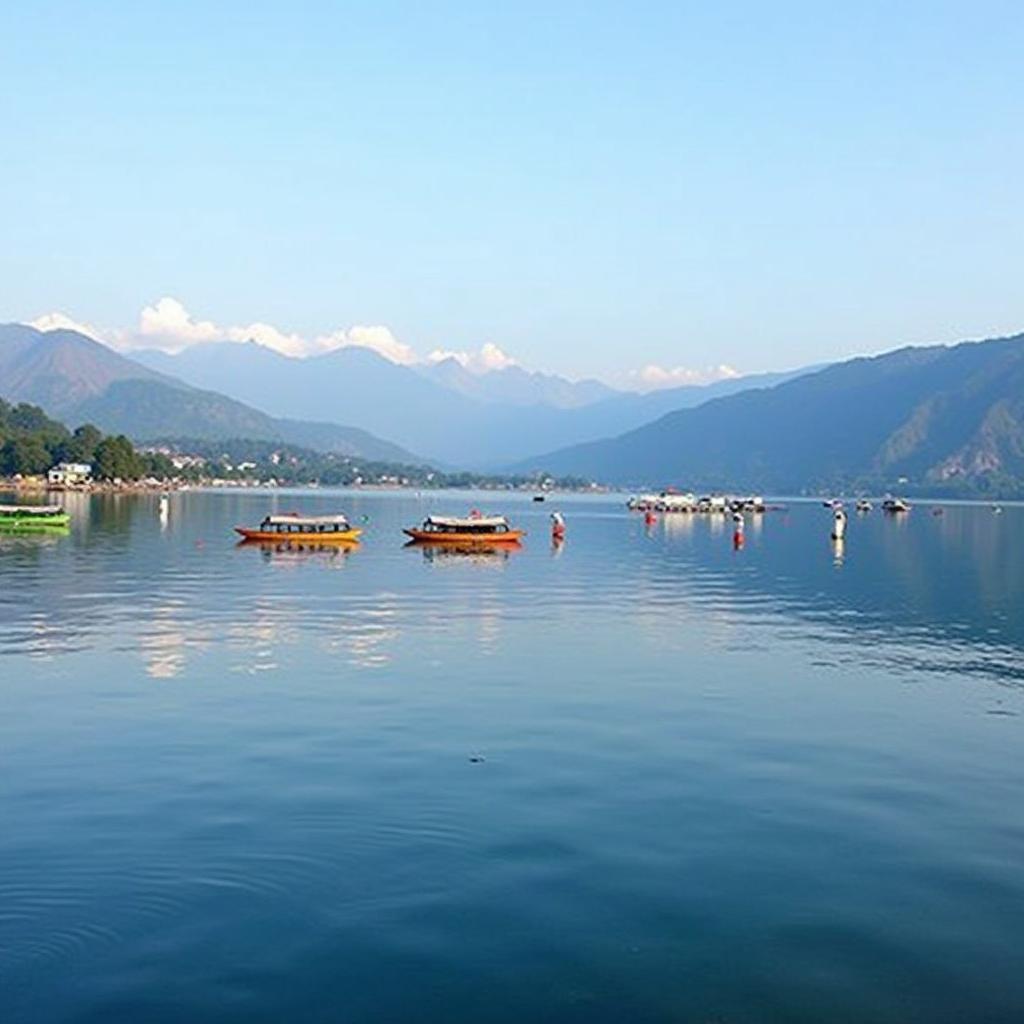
(642, 778)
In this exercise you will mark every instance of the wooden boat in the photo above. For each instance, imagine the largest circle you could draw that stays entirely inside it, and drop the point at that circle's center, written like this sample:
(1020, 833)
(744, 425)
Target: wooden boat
(471, 529)
(293, 527)
(27, 518)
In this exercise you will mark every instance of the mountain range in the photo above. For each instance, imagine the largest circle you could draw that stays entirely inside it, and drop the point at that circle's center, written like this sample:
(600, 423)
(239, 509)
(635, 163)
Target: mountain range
(946, 418)
(441, 410)
(938, 418)
(78, 380)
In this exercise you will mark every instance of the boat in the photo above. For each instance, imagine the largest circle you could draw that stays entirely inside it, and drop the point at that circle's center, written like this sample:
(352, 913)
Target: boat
(749, 503)
(33, 518)
(863, 505)
(539, 497)
(293, 527)
(642, 502)
(894, 506)
(472, 529)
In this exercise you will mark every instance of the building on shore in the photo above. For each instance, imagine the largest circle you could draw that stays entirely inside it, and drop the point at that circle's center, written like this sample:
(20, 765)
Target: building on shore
(69, 474)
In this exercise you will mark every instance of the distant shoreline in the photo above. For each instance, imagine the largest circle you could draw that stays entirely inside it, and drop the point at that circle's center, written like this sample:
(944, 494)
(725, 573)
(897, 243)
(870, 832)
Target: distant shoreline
(39, 485)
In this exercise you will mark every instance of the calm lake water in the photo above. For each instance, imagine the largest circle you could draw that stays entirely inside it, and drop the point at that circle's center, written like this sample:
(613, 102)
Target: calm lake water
(642, 777)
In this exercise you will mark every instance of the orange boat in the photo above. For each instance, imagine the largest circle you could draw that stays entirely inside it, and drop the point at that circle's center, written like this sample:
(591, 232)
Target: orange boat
(293, 527)
(471, 529)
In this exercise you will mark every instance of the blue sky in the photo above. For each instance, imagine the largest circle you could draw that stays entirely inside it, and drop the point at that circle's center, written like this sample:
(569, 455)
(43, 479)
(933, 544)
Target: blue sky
(592, 187)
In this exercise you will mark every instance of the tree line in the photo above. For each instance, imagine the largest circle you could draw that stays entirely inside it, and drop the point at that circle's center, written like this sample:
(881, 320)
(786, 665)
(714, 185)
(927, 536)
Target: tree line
(31, 443)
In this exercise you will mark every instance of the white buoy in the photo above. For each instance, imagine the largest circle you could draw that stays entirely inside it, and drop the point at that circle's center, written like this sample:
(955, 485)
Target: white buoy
(838, 524)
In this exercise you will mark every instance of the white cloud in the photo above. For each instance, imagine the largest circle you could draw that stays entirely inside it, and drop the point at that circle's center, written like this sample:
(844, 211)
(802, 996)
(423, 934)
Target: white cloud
(168, 325)
(60, 322)
(487, 358)
(170, 322)
(653, 378)
(380, 339)
(270, 337)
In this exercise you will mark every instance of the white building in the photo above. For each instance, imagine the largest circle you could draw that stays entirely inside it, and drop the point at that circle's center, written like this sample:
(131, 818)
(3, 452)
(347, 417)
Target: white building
(67, 474)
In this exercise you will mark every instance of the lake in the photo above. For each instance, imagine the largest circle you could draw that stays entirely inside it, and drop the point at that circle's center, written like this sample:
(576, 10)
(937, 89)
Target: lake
(643, 776)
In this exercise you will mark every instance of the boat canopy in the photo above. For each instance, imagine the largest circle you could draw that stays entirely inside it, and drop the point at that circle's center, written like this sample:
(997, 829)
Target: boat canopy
(31, 510)
(466, 522)
(293, 519)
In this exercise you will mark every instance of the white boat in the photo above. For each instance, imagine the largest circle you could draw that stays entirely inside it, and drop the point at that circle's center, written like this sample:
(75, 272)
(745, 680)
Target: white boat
(672, 502)
(642, 502)
(894, 506)
(713, 504)
(665, 501)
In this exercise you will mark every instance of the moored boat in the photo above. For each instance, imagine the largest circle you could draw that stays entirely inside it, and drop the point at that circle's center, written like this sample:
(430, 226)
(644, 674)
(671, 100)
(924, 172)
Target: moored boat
(471, 529)
(27, 518)
(293, 527)
(894, 506)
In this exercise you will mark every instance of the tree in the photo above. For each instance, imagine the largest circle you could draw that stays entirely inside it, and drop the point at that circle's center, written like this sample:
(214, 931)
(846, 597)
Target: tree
(30, 418)
(25, 455)
(115, 459)
(82, 445)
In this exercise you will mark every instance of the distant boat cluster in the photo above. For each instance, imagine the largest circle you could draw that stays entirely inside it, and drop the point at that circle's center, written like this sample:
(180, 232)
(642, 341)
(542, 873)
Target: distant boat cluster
(711, 504)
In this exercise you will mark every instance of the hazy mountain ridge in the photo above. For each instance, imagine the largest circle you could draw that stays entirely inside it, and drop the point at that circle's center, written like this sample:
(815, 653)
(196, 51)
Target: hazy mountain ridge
(79, 380)
(939, 417)
(442, 411)
(513, 385)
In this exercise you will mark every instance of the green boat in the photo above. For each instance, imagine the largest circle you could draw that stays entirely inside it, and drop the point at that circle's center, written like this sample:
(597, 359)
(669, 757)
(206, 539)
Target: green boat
(33, 518)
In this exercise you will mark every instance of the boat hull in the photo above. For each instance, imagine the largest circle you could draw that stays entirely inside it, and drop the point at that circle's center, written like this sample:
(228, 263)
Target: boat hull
(484, 539)
(338, 537)
(27, 525)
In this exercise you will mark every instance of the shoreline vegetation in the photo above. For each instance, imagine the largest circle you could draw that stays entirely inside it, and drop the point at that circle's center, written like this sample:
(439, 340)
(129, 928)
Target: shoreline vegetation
(31, 443)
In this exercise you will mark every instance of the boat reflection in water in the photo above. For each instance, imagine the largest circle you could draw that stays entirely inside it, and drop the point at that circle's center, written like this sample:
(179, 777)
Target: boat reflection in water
(449, 553)
(294, 551)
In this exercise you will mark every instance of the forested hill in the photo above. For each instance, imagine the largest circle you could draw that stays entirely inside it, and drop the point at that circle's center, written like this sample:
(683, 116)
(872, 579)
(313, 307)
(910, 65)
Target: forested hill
(945, 419)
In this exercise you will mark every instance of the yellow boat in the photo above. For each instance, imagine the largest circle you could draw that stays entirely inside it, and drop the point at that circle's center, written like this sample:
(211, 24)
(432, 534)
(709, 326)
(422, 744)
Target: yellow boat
(471, 529)
(293, 527)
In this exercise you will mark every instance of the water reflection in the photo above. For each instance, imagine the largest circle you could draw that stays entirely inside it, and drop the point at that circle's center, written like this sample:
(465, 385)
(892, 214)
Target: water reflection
(838, 551)
(652, 709)
(444, 553)
(294, 552)
(124, 581)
